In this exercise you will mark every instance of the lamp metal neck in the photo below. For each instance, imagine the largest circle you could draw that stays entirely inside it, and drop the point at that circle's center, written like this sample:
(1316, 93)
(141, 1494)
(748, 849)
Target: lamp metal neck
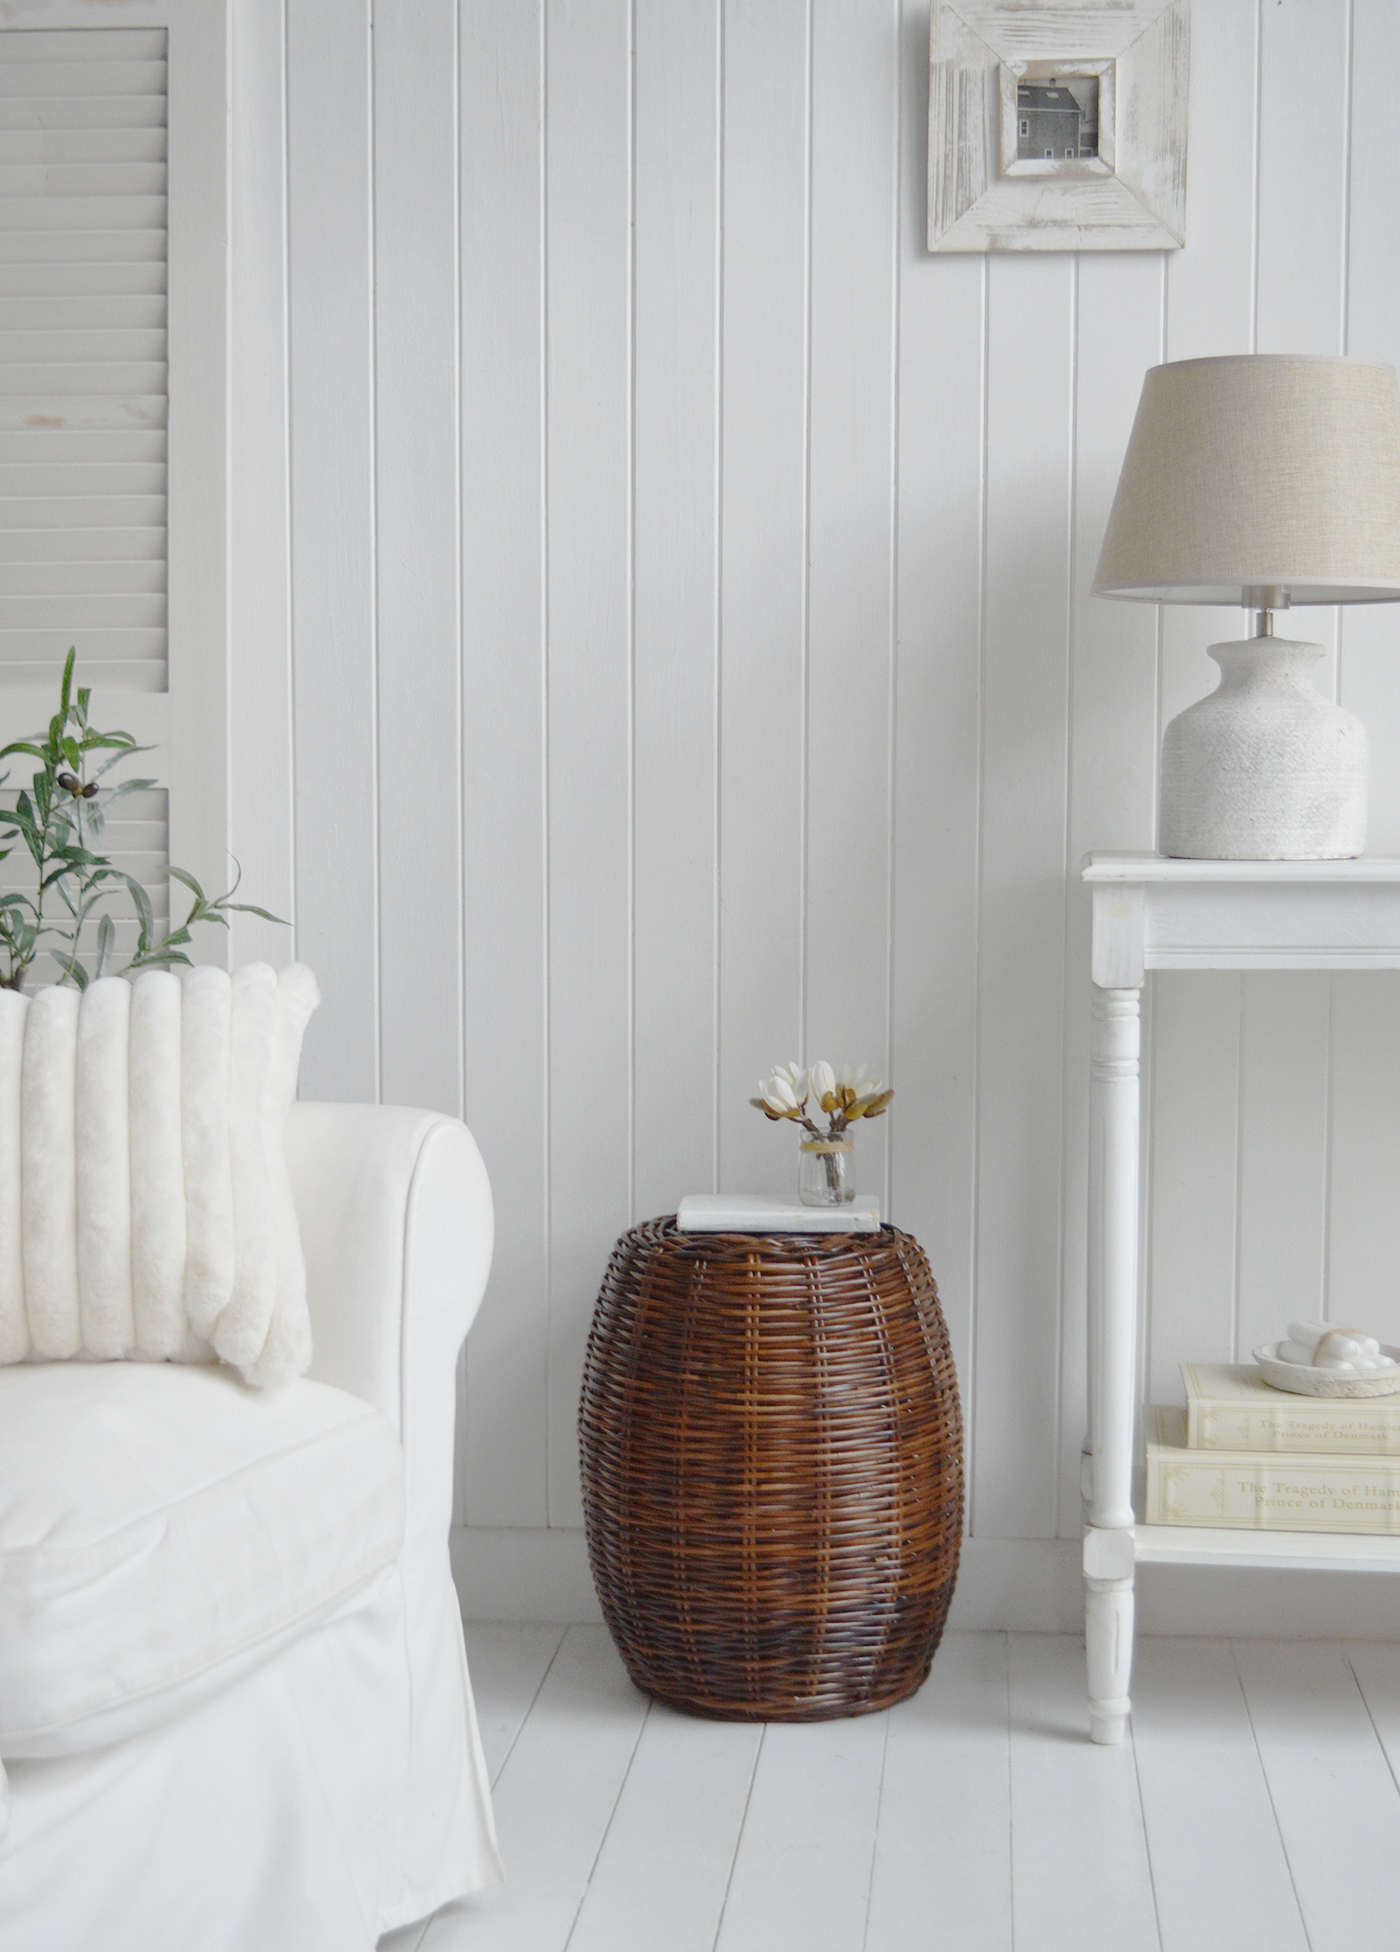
(1261, 603)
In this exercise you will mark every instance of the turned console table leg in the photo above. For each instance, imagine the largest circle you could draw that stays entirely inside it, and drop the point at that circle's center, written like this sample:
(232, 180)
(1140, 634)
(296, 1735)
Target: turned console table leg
(1112, 1312)
(1108, 1630)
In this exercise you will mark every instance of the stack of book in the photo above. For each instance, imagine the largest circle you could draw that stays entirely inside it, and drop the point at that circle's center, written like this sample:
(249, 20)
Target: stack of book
(1244, 1455)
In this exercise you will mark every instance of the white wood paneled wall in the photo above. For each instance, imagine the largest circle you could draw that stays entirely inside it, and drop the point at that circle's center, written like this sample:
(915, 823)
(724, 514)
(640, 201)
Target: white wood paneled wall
(693, 665)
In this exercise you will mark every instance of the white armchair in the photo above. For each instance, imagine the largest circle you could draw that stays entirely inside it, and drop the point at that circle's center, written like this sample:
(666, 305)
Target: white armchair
(234, 1705)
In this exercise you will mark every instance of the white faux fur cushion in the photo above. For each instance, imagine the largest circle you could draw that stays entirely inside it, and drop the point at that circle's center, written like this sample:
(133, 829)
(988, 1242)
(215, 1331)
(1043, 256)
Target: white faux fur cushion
(145, 1204)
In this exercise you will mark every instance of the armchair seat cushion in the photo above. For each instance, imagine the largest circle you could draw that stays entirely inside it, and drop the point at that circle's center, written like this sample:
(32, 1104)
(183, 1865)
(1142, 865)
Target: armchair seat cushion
(164, 1528)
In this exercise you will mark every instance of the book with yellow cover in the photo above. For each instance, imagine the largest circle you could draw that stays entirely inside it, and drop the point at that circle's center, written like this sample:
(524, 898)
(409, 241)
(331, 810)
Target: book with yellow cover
(1229, 1406)
(1275, 1491)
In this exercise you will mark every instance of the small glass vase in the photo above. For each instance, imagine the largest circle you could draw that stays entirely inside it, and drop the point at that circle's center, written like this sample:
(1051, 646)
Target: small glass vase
(826, 1171)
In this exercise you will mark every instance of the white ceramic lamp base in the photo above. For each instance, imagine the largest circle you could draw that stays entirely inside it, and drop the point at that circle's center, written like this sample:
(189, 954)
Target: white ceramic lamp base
(1265, 768)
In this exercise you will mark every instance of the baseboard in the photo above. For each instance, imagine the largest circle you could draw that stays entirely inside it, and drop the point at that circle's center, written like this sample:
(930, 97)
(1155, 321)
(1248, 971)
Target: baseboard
(1004, 1585)
(1261, 1605)
(523, 1575)
(1029, 1585)
(1018, 1586)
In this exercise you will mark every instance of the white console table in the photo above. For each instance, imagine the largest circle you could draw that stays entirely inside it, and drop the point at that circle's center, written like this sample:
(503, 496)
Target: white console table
(1151, 913)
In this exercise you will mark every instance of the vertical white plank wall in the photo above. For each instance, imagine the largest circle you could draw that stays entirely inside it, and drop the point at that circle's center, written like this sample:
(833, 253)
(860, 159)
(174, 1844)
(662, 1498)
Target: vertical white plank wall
(334, 497)
(1192, 1051)
(675, 598)
(261, 726)
(1032, 301)
(417, 587)
(694, 665)
(765, 355)
(941, 520)
(503, 1455)
(590, 513)
(1363, 1236)
(850, 545)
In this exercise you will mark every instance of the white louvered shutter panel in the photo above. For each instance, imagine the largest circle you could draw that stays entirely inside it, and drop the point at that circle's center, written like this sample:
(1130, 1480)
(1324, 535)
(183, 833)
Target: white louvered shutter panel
(113, 294)
(83, 403)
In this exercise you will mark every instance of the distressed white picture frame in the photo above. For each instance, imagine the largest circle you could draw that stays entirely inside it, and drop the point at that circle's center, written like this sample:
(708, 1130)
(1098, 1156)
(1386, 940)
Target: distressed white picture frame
(1130, 197)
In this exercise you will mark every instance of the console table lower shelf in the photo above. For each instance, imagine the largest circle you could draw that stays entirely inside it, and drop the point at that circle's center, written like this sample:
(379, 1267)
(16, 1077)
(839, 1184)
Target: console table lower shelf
(1210, 1545)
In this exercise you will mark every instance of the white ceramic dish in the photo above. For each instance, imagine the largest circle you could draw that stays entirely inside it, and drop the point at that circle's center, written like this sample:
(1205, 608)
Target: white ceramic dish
(1301, 1379)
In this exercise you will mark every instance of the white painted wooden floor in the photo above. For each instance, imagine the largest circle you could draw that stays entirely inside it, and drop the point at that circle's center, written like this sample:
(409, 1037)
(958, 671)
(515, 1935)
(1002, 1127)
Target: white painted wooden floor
(1255, 1809)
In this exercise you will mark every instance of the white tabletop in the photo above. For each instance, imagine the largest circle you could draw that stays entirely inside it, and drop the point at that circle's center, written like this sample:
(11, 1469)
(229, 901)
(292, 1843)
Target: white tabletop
(1153, 913)
(1158, 868)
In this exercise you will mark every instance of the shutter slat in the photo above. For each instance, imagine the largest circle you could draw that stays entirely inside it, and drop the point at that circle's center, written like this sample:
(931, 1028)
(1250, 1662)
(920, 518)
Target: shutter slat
(112, 641)
(102, 178)
(108, 311)
(97, 377)
(135, 843)
(81, 248)
(38, 445)
(112, 673)
(81, 546)
(68, 348)
(78, 477)
(83, 112)
(48, 214)
(78, 613)
(70, 78)
(82, 579)
(119, 843)
(84, 285)
(125, 932)
(62, 44)
(124, 939)
(64, 148)
(42, 512)
(93, 412)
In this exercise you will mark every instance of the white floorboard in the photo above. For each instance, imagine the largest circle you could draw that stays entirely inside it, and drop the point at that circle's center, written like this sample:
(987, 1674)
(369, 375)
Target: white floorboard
(943, 1847)
(802, 1873)
(1254, 1810)
(1377, 1671)
(665, 1865)
(1080, 1876)
(1207, 1807)
(554, 1801)
(507, 1660)
(1332, 1789)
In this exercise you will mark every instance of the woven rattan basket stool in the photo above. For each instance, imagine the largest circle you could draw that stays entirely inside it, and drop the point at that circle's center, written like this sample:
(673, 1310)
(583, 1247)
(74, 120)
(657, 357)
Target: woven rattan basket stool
(772, 1469)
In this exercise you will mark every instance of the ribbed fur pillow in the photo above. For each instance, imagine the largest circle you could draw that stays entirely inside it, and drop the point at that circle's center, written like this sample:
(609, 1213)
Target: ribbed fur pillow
(145, 1204)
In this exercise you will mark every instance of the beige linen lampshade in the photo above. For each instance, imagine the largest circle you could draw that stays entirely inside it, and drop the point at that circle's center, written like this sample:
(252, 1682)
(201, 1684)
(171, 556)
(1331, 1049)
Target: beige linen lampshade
(1263, 472)
(1269, 481)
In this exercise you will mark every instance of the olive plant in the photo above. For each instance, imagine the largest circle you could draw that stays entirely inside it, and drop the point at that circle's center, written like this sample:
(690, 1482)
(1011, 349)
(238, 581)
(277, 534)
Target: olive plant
(60, 819)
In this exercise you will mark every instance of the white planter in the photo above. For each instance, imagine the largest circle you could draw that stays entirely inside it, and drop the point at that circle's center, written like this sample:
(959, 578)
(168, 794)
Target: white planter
(1265, 768)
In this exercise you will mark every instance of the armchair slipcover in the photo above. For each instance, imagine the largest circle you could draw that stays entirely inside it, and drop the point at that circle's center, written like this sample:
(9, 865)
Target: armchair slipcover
(243, 1718)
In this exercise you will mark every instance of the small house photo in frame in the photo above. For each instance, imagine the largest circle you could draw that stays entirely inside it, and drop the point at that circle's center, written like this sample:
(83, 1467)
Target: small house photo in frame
(1059, 126)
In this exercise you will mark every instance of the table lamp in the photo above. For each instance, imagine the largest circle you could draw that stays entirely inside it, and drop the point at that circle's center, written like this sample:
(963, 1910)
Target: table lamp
(1270, 481)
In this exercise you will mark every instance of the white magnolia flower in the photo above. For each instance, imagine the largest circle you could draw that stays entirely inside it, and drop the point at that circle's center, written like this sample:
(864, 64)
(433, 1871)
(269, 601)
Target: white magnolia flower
(777, 1093)
(844, 1096)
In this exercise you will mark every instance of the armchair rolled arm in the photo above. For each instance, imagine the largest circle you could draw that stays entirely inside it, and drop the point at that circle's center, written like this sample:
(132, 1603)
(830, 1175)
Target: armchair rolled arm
(396, 1225)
